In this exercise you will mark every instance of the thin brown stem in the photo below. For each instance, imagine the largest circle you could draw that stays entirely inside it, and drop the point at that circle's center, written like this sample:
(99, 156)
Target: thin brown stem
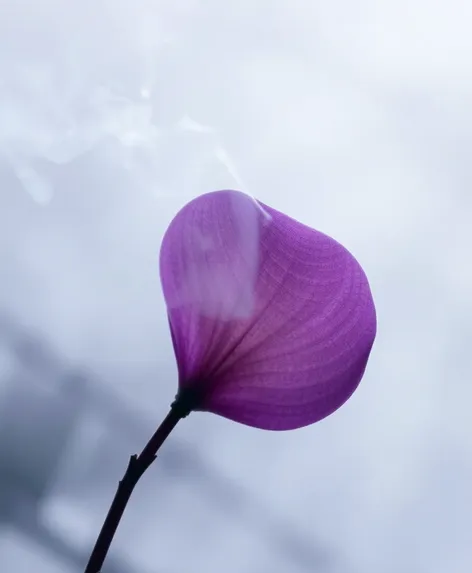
(183, 405)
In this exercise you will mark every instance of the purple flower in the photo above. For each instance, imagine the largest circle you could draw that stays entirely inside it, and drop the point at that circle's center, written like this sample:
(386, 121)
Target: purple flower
(272, 322)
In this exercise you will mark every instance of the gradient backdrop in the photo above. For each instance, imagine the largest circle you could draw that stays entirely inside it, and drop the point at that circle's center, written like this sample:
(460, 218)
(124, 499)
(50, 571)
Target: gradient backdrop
(353, 117)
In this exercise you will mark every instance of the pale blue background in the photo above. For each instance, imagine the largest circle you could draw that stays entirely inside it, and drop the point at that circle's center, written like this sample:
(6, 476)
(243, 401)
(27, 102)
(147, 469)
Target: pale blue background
(355, 118)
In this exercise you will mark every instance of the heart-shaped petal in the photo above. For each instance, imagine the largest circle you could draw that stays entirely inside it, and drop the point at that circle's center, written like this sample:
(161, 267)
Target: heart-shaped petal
(272, 322)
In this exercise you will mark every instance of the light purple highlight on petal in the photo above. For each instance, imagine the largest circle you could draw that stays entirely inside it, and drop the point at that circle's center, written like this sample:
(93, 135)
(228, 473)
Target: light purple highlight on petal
(272, 320)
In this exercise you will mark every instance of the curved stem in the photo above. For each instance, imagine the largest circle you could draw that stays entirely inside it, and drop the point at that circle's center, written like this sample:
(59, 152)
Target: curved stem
(137, 465)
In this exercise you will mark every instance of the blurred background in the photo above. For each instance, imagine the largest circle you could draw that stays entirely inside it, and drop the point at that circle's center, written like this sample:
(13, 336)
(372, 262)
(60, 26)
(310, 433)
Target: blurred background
(356, 119)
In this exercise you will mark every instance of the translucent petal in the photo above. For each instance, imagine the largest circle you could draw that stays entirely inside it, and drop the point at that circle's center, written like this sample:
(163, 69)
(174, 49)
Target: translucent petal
(273, 321)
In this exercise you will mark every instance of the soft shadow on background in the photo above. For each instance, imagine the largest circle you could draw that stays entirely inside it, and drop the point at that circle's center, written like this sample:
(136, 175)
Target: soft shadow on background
(354, 118)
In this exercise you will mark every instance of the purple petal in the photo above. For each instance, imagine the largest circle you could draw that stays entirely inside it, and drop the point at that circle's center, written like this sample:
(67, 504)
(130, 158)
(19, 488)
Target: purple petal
(273, 321)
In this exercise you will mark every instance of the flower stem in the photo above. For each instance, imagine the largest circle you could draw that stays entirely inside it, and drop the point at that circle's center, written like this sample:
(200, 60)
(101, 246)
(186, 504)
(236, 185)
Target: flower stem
(138, 464)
